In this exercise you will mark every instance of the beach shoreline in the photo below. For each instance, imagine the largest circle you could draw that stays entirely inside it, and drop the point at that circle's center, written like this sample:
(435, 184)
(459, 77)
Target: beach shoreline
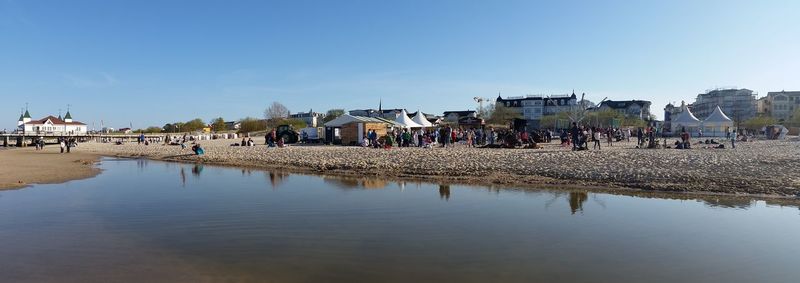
(621, 168)
(22, 167)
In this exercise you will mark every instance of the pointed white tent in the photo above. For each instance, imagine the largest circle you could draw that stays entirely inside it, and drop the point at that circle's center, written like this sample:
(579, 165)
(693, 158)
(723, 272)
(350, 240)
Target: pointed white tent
(406, 122)
(420, 119)
(685, 120)
(717, 124)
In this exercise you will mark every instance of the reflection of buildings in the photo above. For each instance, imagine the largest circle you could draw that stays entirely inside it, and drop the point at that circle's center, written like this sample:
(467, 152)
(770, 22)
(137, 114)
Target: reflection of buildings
(356, 183)
(444, 192)
(576, 200)
(740, 203)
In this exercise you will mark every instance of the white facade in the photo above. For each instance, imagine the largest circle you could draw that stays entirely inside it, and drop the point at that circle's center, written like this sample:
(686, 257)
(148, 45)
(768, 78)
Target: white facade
(54, 126)
(782, 104)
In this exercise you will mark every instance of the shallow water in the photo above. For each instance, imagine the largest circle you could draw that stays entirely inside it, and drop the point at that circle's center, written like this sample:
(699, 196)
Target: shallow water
(147, 221)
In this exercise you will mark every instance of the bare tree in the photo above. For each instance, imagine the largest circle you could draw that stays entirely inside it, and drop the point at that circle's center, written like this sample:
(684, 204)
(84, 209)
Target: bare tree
(579, 111)
(276, 111)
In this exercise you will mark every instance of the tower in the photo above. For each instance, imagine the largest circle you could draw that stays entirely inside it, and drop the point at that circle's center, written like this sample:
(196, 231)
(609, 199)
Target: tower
(26, 117)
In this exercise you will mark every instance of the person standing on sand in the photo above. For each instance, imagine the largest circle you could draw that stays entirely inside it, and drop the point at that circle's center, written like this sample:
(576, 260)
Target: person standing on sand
(733, 139)
(610, 136)
(62, 144)
(575, 135)
(596, 138)
(639, 136)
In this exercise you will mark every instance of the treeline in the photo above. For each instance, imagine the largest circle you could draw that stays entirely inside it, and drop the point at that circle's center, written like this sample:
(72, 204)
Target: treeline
(275, 115)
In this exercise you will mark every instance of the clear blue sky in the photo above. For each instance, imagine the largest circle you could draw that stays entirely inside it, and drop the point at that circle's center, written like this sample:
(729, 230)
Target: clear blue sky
(152, 62)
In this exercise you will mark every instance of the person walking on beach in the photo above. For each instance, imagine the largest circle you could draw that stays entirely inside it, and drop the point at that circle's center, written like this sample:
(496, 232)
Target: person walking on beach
(596, 138)
(733, 139)
(62, 144)
(610, 136)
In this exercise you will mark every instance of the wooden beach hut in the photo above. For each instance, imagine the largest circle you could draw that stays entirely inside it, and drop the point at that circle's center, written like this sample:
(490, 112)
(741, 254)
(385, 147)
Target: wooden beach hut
(351, 130)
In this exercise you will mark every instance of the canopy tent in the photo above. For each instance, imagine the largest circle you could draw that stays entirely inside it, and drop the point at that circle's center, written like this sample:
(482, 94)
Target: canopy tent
(717, 124)
(347, 119)
(421, 120)
(685, 120)
(406, 122)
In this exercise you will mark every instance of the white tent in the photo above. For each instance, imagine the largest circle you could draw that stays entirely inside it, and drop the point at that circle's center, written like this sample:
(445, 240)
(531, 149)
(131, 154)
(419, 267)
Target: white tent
(685, 120)
(420, 119)
(406, 122)
(717, 124)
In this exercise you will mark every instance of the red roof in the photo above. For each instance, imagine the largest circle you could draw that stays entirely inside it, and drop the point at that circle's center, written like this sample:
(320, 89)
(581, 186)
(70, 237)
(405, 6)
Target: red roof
(54, 120)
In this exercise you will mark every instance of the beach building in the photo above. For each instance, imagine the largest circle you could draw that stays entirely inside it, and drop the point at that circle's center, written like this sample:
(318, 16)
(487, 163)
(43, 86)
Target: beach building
(455, 116)
(740, 104)
(763, 107)
(390, 114)
(51, 125)
(534, 107)
(311, 118)
(630, 108)
(233, 126)
(349, 130)
(781, 105)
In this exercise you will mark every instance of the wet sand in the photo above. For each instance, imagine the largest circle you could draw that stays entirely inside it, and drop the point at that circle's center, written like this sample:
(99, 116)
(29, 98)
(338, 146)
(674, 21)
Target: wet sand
(20, 167)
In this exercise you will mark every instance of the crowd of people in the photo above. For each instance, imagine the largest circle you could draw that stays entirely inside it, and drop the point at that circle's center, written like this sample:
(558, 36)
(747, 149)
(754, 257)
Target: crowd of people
(448, 136)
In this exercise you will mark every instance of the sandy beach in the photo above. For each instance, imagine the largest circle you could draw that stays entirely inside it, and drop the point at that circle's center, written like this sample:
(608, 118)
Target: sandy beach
(25, 166)
(753, 168)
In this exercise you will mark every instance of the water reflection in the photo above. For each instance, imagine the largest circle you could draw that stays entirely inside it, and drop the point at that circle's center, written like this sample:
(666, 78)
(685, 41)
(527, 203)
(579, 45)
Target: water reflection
(276, 178)
(197, 169)
(576, 200)
(125, 226)
(357, 183)
(444, 192)
(183, 177)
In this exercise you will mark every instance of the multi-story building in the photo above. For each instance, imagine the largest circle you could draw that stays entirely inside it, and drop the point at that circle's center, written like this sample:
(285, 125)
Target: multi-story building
(534, 107)
(740, 104)
(311, 118)
(763, 107)
(390, 114)
(782, 104)
(455, 116)
(630, 108)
